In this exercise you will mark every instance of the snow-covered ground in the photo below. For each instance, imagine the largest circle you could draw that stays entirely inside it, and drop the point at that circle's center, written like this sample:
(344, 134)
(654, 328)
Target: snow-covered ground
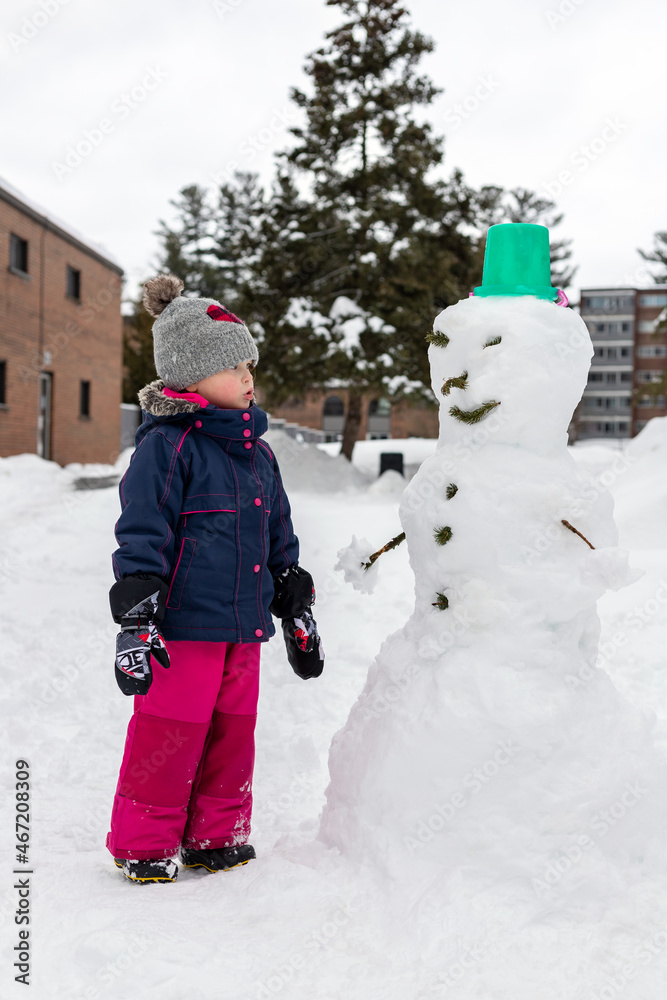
(300, 922)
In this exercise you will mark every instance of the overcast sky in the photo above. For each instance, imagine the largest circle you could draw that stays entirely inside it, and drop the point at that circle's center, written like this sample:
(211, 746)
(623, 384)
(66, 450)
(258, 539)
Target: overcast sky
(565, 97)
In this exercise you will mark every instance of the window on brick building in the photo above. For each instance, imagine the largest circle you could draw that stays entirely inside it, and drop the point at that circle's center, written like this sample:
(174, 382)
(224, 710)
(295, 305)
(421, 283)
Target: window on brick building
(652, 351)
(18, 253)
(73, 283)
(651, 402)
(84, 407)
(333, 418)
(379, 407)
(653, 300)
(3, 383)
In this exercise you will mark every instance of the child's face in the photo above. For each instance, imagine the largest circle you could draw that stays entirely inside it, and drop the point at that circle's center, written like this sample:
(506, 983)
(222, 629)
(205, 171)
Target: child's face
(230, 389)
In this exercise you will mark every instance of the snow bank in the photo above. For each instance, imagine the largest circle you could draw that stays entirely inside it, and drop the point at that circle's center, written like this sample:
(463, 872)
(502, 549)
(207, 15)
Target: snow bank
(651, 440)
(641, 498)
(306, 467)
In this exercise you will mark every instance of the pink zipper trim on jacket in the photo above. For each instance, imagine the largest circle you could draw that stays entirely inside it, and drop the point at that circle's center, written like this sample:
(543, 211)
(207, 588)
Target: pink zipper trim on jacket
(173, 576)
(213, 510)
(185, 434)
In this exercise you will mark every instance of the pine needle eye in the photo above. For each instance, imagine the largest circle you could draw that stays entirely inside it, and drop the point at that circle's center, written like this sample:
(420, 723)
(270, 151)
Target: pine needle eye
(438, 339)
(442, 535)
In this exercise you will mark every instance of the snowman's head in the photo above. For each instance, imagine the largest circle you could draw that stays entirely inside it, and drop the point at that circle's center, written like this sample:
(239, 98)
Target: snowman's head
(516, 363)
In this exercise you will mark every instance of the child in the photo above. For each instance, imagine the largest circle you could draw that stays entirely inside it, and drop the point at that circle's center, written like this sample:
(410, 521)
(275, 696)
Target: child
(206, 552)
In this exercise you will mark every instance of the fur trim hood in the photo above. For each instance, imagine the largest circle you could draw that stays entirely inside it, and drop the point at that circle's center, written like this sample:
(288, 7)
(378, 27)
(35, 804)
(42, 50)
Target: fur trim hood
(153, 401)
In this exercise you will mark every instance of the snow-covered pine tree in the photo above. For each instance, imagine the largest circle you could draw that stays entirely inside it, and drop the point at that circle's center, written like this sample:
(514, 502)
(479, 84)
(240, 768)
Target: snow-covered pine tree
(366, 161)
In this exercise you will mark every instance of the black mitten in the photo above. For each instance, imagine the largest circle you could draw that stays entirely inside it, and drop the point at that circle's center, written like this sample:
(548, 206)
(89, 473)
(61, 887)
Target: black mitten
(304, 646)
(138, 640)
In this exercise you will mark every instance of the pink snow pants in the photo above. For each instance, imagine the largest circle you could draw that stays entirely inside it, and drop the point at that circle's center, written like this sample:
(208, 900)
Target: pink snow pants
(186, 775)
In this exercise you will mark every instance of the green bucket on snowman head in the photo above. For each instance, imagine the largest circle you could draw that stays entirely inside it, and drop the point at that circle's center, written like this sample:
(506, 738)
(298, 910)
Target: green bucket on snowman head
(517, 262)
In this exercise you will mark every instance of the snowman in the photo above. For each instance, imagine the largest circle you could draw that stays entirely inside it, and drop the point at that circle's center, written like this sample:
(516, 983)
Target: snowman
(489, 757)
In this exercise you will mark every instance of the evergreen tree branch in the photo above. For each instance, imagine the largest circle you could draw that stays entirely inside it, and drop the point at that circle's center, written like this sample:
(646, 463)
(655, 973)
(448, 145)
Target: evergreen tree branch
(473, 416)
(458, 382)
(437, 339)
(442, 602)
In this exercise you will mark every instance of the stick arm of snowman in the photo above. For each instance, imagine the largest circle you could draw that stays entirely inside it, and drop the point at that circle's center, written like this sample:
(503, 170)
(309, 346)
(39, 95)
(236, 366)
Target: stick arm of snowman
(394, 542)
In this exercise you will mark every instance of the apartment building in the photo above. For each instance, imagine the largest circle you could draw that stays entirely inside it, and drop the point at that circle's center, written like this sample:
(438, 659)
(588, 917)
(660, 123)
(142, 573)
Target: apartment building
(629, 356)
(60, 338)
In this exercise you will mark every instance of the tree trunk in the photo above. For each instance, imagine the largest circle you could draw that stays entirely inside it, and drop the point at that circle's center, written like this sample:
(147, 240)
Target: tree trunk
(352, 423)
(574, 427)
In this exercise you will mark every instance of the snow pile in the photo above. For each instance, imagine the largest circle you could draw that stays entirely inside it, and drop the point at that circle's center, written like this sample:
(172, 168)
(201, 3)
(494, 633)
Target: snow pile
(641, 499)
(490, 771)
(306, 467)
(651, 440)
(25, 477)
(389, 484)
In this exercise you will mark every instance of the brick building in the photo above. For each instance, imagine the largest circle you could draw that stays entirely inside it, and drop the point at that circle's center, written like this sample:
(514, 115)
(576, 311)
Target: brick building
(630, 354)
(60, 339)
(326, 411)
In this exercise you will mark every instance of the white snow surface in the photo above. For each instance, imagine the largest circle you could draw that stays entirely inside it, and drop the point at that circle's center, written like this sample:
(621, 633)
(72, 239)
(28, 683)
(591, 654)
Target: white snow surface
(306, 920)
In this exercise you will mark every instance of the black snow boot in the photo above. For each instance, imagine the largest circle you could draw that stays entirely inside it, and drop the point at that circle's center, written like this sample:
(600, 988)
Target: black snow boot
(220, 859)
(148, 870)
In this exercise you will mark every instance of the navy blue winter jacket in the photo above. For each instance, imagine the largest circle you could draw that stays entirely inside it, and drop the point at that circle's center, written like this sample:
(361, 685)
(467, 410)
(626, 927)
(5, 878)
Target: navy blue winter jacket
(204, 508)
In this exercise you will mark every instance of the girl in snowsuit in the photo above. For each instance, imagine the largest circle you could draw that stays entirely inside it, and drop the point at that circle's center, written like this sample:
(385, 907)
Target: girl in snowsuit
(206, 553)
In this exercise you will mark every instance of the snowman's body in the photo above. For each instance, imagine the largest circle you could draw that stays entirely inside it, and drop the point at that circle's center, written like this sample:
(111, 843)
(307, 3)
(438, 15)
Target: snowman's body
(488, 740)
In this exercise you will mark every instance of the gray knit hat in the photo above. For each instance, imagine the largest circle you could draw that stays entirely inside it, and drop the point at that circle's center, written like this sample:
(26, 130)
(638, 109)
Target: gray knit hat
(193, 338)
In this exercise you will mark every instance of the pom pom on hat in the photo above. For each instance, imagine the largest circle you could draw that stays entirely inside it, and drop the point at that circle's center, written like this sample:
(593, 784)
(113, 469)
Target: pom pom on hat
(160, 291)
